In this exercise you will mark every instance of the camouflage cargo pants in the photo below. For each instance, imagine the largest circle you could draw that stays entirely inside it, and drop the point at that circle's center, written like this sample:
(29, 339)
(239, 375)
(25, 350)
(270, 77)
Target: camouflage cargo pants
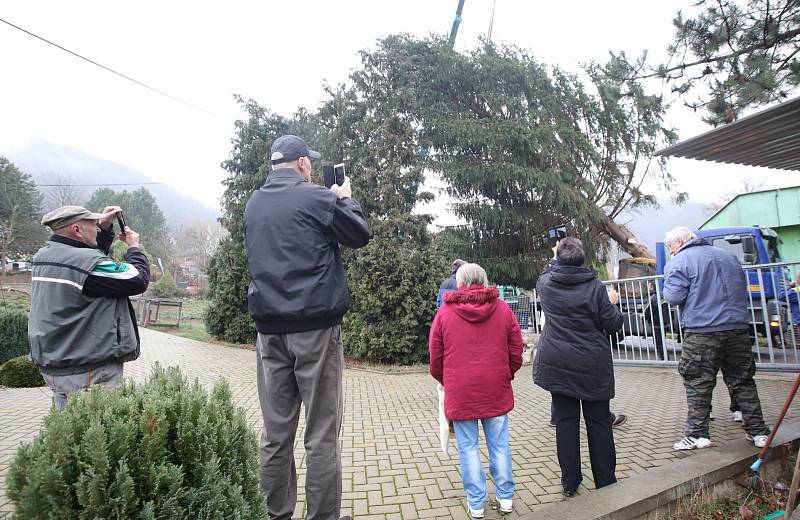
(704, 354)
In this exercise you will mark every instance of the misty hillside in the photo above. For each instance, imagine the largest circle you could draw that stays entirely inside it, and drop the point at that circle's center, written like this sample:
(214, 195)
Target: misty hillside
(55, 164)
(651, 224)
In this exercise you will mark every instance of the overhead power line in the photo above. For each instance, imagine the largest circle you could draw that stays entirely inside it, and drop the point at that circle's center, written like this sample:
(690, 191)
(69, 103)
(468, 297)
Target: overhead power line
(109, 69)
(88, 185)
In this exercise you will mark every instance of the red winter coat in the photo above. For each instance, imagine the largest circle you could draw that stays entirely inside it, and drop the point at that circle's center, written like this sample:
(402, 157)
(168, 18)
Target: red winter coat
(476, 347)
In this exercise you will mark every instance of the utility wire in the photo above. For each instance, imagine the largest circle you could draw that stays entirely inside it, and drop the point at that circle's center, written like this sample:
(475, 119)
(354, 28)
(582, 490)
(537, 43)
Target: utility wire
(87, 185)
(115, 72)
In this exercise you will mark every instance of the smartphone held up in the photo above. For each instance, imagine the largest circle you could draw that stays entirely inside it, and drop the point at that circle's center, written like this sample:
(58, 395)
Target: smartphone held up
(333, 175)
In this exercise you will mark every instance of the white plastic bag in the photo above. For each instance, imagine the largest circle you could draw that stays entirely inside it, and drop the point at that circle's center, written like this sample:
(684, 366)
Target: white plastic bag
(444, 424)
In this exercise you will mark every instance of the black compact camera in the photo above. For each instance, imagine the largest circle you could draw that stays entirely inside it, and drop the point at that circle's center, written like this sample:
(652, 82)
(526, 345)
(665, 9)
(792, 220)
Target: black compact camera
(555, 234)
(333, 175)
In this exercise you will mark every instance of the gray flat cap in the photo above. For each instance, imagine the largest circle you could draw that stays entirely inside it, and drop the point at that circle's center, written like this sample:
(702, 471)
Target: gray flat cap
(66, 215)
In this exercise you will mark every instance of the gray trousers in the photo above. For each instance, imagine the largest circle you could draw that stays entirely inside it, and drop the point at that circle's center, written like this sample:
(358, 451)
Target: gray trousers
(302, 367)
(109, 376)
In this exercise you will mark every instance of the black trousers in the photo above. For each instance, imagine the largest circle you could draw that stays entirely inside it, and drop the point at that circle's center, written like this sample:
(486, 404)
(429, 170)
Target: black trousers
(602, 454)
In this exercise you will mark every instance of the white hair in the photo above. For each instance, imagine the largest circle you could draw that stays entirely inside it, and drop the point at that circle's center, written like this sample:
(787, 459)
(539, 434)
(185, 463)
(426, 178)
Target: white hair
(680, 233)
(469, 274)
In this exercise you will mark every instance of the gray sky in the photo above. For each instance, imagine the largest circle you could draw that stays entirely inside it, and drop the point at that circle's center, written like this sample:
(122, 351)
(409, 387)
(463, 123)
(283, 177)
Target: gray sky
(203, 52)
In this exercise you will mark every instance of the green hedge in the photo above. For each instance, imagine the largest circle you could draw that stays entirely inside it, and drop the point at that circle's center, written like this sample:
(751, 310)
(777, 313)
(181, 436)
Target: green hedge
(19, 372)
(163, 450)
(13, 333)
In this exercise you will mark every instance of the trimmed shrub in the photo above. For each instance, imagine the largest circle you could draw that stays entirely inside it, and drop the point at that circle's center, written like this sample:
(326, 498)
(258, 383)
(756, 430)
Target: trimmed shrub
(20, 372)
(393, 284)
(13, 333)
(165, 287)
(227, 316)
(163, 450)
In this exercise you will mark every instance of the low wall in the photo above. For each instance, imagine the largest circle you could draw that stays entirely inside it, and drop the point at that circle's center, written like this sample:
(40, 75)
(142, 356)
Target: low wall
(652, 495)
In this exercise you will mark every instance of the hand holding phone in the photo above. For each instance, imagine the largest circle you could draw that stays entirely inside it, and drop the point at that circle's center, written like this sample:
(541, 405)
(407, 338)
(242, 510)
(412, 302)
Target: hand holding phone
(333, 175)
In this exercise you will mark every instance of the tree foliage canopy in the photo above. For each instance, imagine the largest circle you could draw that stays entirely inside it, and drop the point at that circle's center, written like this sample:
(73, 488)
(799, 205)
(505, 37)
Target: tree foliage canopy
(731, 55)
(522, 147)
(21, 231)
(142, 215)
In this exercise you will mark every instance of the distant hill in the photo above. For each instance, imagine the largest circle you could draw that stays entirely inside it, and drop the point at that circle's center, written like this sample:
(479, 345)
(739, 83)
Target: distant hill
(48, 163)
(651, 224)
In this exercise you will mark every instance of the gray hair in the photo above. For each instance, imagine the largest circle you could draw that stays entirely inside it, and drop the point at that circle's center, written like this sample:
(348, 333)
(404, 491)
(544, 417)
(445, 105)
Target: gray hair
(469, 274)
(680, 233)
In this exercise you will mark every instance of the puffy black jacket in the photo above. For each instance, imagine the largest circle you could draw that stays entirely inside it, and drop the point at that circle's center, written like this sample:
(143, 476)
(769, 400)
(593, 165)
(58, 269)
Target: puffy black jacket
(293, 229)
(574, 356)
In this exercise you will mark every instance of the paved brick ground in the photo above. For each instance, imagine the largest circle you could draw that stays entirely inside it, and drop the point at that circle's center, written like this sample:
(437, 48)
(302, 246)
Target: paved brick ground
(393, 466)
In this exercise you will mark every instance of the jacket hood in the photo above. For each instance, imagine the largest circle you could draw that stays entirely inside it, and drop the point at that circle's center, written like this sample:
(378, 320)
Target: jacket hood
(475, 303)
(571, 275)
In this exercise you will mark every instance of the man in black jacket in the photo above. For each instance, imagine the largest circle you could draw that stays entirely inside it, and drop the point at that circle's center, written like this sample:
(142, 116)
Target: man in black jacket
(297, 297)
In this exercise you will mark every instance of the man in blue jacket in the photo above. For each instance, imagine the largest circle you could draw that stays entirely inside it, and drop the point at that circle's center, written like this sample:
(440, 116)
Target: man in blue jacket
(297, 297)
(710, 287)
(449, 283)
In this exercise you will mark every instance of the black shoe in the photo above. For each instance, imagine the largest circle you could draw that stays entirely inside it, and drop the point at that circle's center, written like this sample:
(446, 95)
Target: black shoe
(619, 420)
(567, 493)
(553, 424)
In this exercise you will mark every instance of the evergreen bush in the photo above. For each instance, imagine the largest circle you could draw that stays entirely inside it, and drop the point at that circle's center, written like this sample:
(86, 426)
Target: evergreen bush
(13, 333)
(227, 316)
(163, 450)
(165, 287)
(393, 284)
(20, 372)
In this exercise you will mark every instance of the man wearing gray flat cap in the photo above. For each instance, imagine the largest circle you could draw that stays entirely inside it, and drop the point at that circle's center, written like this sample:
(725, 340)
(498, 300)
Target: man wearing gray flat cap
(297, 297)
(82, 327)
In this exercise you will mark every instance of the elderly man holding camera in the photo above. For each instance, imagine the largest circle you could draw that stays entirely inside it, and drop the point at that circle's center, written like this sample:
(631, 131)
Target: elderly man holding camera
(710, 287)
(82, 327)
(297, 297)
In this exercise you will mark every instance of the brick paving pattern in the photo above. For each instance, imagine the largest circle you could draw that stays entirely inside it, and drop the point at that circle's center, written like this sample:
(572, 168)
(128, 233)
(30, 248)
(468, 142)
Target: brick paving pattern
(393, 465)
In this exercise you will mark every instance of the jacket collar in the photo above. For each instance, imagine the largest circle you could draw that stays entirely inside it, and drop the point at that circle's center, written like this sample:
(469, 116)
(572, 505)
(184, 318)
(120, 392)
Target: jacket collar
(284, 173)
(693, 243)
(68, 241)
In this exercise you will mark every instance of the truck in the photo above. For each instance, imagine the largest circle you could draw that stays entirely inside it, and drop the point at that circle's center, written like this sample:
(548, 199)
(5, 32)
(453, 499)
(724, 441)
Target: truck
(751, 245)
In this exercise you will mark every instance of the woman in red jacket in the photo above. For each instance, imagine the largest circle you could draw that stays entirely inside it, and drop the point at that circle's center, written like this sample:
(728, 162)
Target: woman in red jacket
(476, 347)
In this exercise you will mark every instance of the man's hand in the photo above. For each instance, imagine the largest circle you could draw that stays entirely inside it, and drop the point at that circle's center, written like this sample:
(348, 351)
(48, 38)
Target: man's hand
(130, 237)
(344, 190)
(613, 296)
(109, 214)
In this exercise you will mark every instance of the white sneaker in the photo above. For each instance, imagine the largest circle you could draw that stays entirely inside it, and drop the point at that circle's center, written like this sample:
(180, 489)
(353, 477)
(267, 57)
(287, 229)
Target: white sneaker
(476, 513)
(691, 443)
(737, 416)
(759, 441)
(504, 504)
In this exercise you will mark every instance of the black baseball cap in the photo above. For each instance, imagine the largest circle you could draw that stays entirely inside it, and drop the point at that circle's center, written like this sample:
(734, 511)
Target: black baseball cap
(289, 148)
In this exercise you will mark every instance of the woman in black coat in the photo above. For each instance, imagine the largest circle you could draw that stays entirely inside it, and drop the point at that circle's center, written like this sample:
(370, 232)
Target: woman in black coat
(574, 362)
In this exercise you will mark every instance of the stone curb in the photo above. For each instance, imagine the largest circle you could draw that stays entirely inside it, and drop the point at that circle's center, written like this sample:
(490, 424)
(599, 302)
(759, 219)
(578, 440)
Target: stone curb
(641, 494)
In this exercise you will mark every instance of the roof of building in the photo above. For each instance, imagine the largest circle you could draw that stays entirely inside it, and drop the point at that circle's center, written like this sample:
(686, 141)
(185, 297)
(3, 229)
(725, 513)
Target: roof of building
(769, 138)
(751, 194)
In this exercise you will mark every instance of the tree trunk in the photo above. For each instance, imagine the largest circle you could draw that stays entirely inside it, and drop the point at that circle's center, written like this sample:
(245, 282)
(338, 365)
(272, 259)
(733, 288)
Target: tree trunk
(622, 236)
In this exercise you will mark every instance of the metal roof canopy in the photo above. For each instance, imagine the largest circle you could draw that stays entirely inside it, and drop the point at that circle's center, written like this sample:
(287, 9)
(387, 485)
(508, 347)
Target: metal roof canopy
(770, 138)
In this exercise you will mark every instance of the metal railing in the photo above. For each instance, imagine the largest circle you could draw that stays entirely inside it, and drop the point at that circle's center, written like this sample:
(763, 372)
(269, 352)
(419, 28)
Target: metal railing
(652, 329)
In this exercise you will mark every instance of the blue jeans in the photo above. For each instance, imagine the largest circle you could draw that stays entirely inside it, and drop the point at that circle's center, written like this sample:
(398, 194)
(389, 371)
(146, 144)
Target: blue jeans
(496, 431)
